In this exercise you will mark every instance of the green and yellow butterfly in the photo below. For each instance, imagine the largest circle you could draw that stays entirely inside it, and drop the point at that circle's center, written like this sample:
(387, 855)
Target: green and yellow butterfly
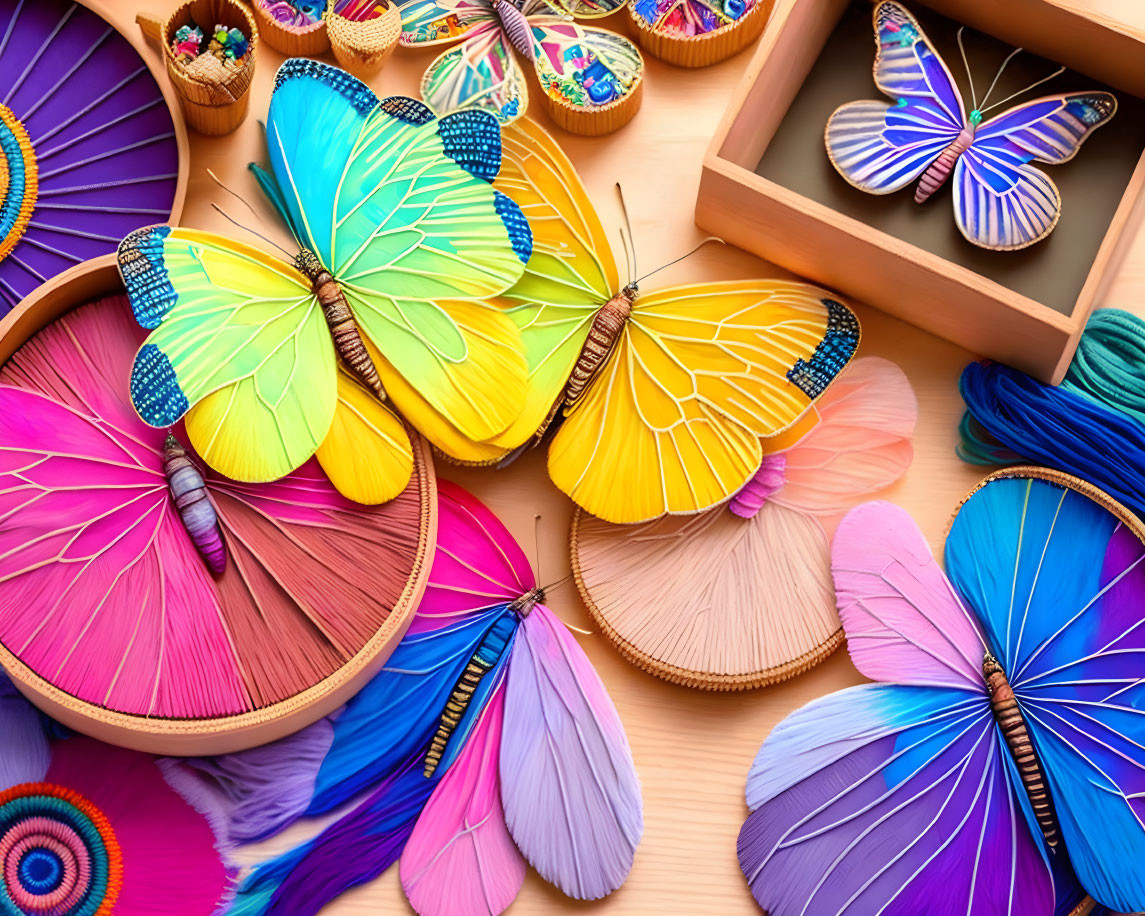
(397, 208)
(655, 403)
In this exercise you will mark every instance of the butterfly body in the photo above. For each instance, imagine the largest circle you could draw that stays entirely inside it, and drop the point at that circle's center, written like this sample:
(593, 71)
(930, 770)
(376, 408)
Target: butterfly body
(1012, 724)
(340, 320)
(485, 659)
(938, 171)
(189, 492)
(1001, 201)
(516, 26)
(607, 325)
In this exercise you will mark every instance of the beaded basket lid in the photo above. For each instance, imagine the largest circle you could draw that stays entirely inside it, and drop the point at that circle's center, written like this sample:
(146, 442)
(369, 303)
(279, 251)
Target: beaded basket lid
(89, 148)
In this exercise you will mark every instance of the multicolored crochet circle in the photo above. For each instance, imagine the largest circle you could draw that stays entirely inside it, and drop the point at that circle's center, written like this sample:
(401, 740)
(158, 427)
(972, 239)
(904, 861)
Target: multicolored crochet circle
(58, 854)
(19, 181)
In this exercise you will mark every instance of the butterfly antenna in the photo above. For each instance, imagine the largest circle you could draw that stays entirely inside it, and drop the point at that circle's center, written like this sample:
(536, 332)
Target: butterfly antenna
(966, 64)
(998, 75)
(227, 216)
(551, 588)
(626, 236)
(1044, 79)
(215, 178)
(710, 238)
(537, 543)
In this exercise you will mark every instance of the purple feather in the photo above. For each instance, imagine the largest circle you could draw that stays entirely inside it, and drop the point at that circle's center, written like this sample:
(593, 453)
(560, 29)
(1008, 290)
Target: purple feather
(358, 847)
(26, 755)
(253, 794)
(568, 785)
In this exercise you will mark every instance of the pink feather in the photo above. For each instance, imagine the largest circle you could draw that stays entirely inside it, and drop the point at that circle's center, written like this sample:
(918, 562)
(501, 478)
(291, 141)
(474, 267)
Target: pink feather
(460, 859)
(861, 444)
(904, 622)
(569, 787)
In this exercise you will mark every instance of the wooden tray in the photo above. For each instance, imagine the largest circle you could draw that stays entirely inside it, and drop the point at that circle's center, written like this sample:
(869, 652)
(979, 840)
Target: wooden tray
(767, 185)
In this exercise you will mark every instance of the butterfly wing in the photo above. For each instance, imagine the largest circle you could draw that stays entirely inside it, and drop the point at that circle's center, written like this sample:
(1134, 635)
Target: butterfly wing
(1000, 200)
(862, 442)
(866, 800)
(93, 553)
(367, 453)
(460, 859)
(570, 275)
(434, 22)
(672, 422)
(880, 148)
(480, 73)
(583, 66)
(869, 799)
(568, 783)
(397, 204)
(1058, 580)
(238, 336)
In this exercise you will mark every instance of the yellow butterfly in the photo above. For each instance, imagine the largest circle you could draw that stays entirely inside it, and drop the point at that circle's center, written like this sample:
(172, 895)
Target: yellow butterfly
(404, 242)
(654, 403)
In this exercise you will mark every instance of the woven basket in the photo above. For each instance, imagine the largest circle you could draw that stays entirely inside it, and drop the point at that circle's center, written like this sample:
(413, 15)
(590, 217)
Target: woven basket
(362, 47)
(593, 122)
(291, 41)
(702, 50)
(210, 107)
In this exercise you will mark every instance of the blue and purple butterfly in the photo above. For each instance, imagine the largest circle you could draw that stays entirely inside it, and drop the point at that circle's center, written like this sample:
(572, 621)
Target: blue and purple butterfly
(997, 764)
(1001, 202)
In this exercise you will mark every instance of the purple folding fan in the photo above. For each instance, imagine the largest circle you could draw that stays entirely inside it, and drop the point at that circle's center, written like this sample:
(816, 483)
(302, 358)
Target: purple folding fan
(88, 148)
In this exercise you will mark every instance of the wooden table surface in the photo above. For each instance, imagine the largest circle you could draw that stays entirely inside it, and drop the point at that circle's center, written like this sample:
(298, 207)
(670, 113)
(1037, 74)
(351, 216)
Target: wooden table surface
(692, 749)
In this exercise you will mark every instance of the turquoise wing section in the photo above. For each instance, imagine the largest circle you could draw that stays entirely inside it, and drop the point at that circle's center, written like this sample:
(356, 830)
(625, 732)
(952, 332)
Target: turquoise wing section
(393, 200)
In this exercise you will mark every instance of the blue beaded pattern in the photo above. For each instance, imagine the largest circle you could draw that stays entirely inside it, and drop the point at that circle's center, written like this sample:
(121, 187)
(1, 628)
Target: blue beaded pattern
(140, 259)
(497, 640)
(833, 353)
(472, 139)
(411, 111)
(155, 390)
(520, 234)
(360, 96)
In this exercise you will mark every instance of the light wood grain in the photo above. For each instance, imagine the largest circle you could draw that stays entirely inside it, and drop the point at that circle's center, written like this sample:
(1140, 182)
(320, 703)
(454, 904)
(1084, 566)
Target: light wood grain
(692, 749)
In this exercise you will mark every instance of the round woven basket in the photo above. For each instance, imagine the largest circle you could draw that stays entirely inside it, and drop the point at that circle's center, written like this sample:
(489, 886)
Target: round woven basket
(291, 41)
(702, 50)
(675, 674)
(594, 122)
(93, 280)
(213, 108)
(362, 47)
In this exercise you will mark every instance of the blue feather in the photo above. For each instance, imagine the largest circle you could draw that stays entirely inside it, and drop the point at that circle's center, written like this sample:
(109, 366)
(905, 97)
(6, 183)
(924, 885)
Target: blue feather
(404, 703)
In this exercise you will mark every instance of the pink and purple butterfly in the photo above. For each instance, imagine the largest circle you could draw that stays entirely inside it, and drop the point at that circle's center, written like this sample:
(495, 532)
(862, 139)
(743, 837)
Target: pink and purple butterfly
(996, 767)
(1001, 202)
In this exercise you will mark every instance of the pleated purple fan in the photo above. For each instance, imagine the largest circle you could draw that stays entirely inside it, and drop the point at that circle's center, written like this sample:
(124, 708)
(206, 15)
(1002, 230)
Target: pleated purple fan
(88, 147)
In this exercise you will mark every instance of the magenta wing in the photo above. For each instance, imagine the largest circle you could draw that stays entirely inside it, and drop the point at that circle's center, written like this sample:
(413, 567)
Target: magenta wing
(94, 554)
(477, 566)
(569, 787)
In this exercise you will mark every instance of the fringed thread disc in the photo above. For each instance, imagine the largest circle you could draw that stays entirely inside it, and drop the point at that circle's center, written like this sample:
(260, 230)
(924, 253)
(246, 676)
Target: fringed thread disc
(58, 854)
(20, 181)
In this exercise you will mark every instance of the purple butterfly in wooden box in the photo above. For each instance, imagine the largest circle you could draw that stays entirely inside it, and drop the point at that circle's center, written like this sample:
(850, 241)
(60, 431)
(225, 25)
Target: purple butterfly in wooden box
(1001, 202)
